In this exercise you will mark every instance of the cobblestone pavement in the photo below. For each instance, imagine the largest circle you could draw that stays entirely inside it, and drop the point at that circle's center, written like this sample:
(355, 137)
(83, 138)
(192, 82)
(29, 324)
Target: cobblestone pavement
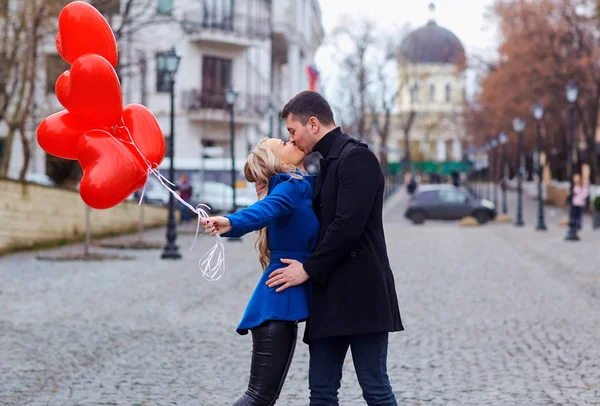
(494, 315)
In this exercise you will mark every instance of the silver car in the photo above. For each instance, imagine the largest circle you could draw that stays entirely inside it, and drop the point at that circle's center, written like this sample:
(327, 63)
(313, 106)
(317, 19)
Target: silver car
(219, 196)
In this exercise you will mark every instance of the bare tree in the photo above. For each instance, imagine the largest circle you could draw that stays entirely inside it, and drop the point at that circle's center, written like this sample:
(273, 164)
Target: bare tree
(370, 60)
(356, 67)
(22, 31)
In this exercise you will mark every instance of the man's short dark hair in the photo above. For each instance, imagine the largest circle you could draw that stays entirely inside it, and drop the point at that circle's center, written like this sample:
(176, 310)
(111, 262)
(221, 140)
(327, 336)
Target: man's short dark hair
(308, 104)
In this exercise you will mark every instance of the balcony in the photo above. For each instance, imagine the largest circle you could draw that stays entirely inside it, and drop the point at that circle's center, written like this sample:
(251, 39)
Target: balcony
(234, 29)
(205, 106)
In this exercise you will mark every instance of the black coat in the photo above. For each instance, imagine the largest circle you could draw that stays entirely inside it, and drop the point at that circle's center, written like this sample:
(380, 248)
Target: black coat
(353, 288)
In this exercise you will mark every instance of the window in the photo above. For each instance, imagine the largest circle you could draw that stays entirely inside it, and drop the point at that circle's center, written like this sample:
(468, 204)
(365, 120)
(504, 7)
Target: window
(107, 7)
(414, 93)
(168, 143)
(218, 14)
(452, 196)
(432, 93)
(427, 197)
(55, 66)
(163, 78)
(448, 93)
(165, 7)
(216, 74)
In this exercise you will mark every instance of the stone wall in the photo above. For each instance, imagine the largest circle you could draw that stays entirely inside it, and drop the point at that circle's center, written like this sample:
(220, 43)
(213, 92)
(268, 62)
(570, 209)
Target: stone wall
(31, 214)
(558, 193)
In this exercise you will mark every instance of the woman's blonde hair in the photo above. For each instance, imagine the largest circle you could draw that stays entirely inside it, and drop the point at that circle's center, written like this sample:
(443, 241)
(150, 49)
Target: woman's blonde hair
(261, 165)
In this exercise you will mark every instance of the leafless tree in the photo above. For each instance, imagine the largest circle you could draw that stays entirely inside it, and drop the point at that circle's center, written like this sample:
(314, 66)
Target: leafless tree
(21, 30)
(371, 88)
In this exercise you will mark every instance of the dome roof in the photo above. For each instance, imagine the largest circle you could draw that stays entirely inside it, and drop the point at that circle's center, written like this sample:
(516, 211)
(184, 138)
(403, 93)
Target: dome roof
(432, 44)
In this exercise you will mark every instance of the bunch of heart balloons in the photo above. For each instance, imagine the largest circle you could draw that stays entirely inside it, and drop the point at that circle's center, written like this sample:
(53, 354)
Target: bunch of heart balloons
(117, 147)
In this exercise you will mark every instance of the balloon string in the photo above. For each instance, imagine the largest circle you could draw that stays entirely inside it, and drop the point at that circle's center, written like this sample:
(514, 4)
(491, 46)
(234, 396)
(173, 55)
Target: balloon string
(210, 271)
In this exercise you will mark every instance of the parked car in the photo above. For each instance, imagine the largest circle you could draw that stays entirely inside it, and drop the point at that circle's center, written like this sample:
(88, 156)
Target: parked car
(155, 192)
(219, 196)
(447, 202)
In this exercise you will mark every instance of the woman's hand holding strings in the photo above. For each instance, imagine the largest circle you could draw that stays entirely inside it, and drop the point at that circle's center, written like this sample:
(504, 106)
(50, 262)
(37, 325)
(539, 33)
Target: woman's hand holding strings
(216, 225)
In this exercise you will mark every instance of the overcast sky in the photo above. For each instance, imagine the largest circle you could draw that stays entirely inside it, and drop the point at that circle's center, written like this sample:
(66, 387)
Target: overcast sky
(466, 18)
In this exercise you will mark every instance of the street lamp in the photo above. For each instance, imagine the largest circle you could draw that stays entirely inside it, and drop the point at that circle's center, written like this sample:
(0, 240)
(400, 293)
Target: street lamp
(494, 174)
(572, 92)
(538, 113)
(477, 172)
(168, 64)
(503, 138)
(488, 188)
(230, 98)
(519, 126)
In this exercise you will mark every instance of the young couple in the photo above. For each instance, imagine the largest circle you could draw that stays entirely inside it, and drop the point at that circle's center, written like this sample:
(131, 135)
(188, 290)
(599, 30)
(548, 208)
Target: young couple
(322, 247)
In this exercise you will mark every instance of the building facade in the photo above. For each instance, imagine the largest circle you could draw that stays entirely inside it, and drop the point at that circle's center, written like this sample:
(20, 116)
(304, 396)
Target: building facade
(432, 87)
(261, 48)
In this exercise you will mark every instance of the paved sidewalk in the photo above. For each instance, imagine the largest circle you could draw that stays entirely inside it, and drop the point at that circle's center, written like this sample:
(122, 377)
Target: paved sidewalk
(494, 315)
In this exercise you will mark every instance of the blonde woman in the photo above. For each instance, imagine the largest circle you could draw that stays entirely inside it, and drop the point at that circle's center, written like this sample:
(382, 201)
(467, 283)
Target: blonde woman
(287, 229)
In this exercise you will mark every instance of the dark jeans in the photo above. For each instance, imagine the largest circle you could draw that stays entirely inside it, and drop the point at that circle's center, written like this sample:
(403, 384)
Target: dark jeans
(578, 212)
(185, 212)
(369, 354)
(273, 345)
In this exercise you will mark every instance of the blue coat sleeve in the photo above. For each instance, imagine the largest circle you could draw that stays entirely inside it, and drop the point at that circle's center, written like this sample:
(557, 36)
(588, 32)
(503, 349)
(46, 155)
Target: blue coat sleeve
(279, 202)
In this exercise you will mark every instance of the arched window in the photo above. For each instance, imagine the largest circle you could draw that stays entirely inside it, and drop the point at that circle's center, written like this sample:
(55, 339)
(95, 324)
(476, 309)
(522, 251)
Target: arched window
(432, 93)
(414, 93)
(448, 93)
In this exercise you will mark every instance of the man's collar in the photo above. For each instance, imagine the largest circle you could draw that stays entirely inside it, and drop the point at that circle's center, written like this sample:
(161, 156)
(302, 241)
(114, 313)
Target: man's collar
(324, 145)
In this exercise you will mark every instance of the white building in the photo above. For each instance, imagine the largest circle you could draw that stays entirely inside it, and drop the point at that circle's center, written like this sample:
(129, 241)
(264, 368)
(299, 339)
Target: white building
(431, 67)
(263, 47)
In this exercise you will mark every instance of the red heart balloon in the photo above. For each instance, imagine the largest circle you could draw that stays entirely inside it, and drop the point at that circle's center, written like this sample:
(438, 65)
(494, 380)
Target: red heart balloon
(58, 134)
(110, 170)
(83, 30)
(145, 131)
(91, 90)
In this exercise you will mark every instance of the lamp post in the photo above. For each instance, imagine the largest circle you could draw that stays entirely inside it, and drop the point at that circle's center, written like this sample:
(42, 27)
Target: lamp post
(519, 126)
(482, 171)
(503, 138)
(479, 165)
(485, 193)
(230, 98)
(494, 174)
(572, 92)
(538, 113)
(168, 63)
(477, 172)
(488, 170)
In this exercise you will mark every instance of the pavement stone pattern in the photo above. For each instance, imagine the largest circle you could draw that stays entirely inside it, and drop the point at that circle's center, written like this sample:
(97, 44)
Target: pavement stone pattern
(494, 315)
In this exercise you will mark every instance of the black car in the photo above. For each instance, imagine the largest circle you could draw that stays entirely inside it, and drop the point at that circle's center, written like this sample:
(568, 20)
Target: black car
(447, 202)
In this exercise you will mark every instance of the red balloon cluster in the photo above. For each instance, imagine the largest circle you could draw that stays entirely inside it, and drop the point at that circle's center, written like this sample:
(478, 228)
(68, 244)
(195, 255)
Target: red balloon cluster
(115, 145)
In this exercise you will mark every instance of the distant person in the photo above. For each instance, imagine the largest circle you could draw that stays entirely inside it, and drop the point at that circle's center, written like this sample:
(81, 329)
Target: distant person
(455, 179)
(580, 194)
(185, 192)
(412, 185)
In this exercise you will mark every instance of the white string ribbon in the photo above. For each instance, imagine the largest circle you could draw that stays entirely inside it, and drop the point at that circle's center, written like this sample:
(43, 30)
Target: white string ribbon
(211, 270)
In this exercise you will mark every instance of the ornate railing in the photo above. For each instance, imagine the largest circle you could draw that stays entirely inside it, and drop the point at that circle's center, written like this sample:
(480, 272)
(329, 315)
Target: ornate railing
(238, 24)
(245, 104)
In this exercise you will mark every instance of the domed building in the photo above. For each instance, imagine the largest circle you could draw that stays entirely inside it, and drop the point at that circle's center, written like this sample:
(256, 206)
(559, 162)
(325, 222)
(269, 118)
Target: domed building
(431, 82)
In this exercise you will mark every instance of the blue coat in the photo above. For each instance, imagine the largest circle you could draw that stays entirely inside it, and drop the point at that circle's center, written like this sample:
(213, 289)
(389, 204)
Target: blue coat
(292, 229)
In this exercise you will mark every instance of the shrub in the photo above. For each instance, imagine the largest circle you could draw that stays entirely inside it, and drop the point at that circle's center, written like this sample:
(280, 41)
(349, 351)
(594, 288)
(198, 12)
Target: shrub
(597, 203)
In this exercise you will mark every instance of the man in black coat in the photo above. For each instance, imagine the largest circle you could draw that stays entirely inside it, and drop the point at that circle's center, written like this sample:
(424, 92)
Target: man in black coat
(353, 303)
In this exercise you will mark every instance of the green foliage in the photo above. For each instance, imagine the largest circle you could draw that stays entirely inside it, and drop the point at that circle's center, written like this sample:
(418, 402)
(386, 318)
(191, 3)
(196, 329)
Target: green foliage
(597, 203)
